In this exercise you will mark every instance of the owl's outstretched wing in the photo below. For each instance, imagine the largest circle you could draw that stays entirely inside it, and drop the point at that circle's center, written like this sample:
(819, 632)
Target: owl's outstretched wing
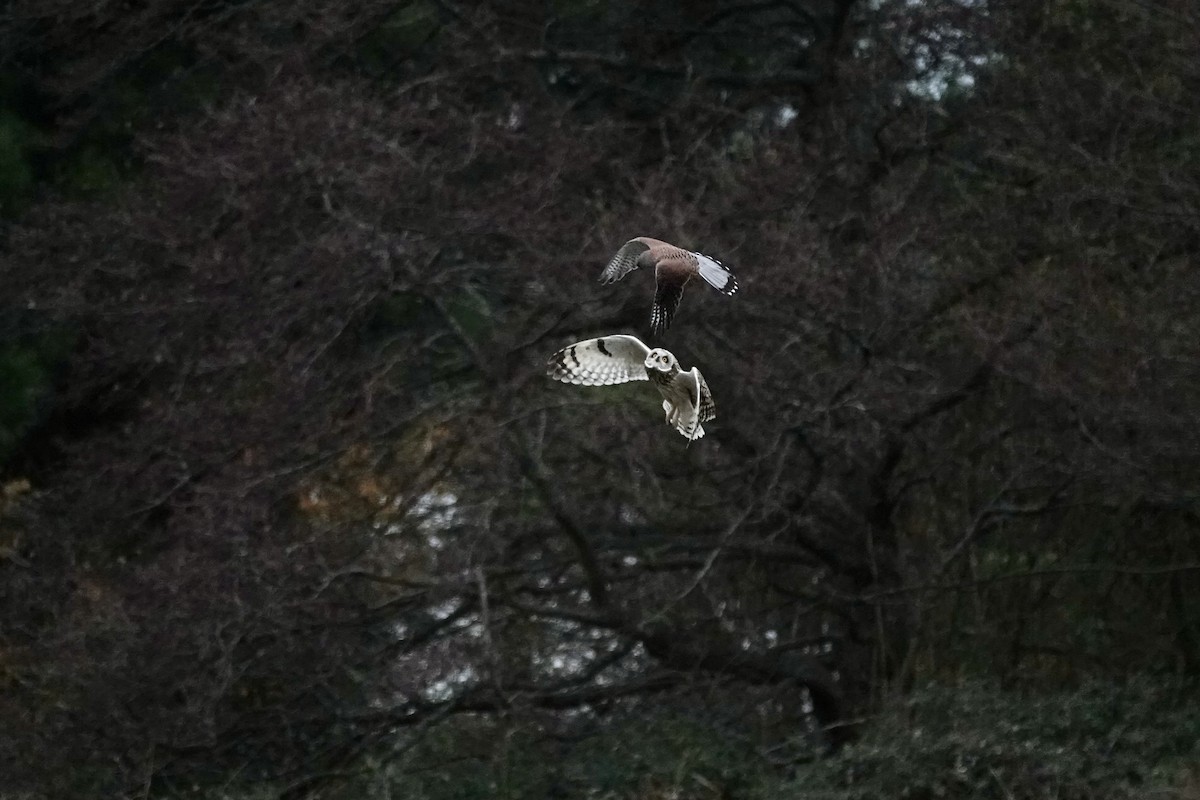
(624, 262)
(600, 362)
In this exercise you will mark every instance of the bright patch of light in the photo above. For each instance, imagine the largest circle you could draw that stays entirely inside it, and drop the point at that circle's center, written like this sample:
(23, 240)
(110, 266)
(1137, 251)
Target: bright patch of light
(514, 118)
(443, 610)
(437, 510)
(442, 690)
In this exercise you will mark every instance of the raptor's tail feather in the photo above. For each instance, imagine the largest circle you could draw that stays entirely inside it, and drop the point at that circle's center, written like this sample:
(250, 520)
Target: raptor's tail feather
(716, 274)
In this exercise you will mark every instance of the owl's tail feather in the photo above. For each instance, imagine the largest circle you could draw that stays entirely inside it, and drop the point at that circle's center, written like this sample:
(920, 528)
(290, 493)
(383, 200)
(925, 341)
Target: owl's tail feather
(677, 419)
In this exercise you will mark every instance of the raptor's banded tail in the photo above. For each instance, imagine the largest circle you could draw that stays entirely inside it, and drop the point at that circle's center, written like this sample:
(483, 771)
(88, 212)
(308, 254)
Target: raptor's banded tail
(716, 274)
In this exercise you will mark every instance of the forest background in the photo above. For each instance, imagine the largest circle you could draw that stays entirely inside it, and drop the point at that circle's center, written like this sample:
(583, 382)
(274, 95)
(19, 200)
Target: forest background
(289, 509)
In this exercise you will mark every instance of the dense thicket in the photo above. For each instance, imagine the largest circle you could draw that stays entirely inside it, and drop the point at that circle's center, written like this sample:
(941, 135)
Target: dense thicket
(287, 498)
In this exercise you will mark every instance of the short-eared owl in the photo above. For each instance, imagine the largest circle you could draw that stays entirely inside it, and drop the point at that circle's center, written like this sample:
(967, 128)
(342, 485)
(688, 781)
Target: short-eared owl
(620, 359)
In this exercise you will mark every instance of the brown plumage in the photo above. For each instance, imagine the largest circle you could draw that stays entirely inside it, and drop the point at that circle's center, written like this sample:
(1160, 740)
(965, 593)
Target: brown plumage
(673, 268)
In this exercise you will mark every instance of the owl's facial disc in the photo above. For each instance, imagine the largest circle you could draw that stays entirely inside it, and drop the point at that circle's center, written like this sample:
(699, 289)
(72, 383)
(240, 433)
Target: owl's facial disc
(659, 359)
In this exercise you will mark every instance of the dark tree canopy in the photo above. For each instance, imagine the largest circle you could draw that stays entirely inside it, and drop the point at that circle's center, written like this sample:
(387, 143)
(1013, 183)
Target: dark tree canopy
(288, 506)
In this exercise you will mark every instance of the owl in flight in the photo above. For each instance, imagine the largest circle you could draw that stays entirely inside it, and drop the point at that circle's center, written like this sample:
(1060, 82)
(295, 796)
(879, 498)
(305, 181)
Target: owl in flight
(673, 268)
(620, 359)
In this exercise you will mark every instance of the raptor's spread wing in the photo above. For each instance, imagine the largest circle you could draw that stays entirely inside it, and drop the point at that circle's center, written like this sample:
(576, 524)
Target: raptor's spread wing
(624, 262)
(671, 275)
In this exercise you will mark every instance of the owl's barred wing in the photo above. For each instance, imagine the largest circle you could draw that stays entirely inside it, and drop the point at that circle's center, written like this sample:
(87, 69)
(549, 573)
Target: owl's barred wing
(624, 262)
(600, 362)
(708, 409)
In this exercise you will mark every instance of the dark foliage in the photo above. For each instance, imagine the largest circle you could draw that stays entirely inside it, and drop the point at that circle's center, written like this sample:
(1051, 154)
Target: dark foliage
(286, 492)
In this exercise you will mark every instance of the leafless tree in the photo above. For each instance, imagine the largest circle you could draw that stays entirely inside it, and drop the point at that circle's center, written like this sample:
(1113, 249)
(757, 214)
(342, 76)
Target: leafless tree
(305, 492)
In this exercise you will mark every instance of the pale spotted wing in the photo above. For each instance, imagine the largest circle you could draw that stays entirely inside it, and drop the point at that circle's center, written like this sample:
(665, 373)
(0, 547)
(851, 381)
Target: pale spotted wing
(600, 362)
